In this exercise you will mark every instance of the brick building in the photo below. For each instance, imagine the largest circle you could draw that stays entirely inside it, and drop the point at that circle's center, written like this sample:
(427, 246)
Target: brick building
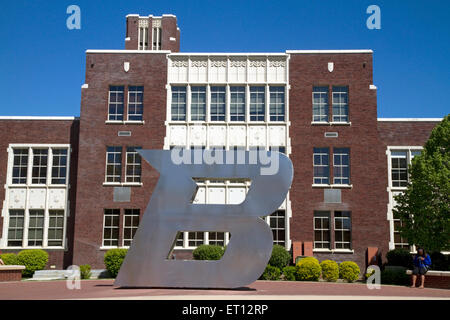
(76, 186)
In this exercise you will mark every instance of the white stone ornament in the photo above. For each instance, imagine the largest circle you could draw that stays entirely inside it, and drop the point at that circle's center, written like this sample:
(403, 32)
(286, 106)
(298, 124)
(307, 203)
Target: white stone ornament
(330, 66)
(126, 66)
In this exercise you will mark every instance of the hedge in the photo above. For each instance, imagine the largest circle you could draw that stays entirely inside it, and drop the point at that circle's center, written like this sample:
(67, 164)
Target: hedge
(395, 276)
(33, 260)
(280, 257)
(308, 269)
(208, 252)
(349, 270)
(330, 270)
(399, 257)
(289, 273)
(9, 258)
(113, 260)
(271, 273)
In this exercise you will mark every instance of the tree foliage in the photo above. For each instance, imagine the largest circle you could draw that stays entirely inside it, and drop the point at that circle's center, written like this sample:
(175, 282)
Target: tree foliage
(424, 208)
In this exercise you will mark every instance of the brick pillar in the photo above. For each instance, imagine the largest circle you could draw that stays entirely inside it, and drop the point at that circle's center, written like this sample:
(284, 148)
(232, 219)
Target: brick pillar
(308, 248)
(297, 250)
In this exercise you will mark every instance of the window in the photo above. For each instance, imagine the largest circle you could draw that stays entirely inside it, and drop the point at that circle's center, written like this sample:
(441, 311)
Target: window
(342, 230)
(20, 166)
(143, 37)
(217, 103)
(156, 38)
(196, 238)
(180, 239)
(115, 109)
(135, 103)
(133, 165)
(322, 230)
(111, 227)
(277, 224)
(39, 172)
(198, 103)
(59, 166)
(320, 104)
(399, 168)
(341, 166)
(15, 229)
(113, 164)
(36, 227)
(55, 228)
(276, 103)
(257, 103)
(216, 238)
(321, 166)
(178, 108)
(340, 104)
(130, 225)
(399, 241)
(237, 103)
(279, 149)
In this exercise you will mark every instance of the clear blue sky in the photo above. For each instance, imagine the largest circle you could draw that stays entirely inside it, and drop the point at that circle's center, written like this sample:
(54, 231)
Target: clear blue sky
(42, 62)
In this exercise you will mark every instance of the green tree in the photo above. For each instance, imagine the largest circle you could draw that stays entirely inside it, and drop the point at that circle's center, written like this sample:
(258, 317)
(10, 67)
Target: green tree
(424, 208)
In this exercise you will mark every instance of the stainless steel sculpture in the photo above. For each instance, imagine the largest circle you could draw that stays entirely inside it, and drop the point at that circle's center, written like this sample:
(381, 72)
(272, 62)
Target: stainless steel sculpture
(170, 210)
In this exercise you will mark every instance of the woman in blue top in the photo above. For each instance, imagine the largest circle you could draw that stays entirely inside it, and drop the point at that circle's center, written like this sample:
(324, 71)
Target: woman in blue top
(422, 262)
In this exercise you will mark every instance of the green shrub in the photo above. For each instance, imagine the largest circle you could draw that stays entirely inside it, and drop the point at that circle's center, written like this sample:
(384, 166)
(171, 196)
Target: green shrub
(280, 257)
(271, 273)
(289, 273)
(208, 252)
(308, 269)
(370, 271)
(330, 270)
(9, 258)
(33, 260)
(349, 270)
(399, 257)
(440, 262)
(395, 276)
(85, 271)
(113, 260)
(307, 259)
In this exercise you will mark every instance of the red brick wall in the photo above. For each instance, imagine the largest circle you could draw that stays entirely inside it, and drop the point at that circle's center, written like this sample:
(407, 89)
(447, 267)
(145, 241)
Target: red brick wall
(149, 70)
(10, 275)
(368, 199)
(43, 132)
(405, 133)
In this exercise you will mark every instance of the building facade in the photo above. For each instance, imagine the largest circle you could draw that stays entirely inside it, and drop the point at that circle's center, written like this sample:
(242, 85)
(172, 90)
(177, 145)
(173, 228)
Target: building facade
(76, 187)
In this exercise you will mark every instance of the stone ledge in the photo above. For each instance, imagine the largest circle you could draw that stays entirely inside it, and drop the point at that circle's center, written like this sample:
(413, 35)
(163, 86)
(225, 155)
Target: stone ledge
(11, 267)
(434, 273)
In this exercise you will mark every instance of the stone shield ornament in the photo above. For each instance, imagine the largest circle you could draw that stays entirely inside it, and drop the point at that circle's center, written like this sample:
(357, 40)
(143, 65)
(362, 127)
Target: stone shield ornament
(170, 210)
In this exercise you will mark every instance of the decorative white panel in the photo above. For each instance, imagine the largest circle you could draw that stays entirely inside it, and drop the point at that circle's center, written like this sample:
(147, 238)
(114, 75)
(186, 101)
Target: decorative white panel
(277, 136)
(198, 135)
(237, 71)
(237, 136)
(198, 71)
(217, 136)
(257, 136)
(283, 205)
(257, 70)
(200, 197)
(178, 135)
(218, 70)
(178, 70)
(17, 198)
(216, 195)
(236, 195)
(57, 199)
(276, 71)
(37, 199)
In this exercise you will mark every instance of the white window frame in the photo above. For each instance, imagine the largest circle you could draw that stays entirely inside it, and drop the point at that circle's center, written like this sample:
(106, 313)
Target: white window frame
(323, 117)
(341, 155)
(133, 214)
(322, 229)
(341, 117)
(116, 104)
(135, 104)
(342, 230)
(114, 164)
(321, 154)
(135, 178)
(277, 110)
(112, 215)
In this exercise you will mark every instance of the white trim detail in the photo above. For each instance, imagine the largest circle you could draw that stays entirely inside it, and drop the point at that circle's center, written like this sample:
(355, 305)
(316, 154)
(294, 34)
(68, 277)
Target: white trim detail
(410, 119)
(37, 118)
(329, 51)
(127, 51)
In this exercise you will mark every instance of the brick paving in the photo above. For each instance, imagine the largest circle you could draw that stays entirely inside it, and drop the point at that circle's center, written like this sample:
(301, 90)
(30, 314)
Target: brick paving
(104, 289)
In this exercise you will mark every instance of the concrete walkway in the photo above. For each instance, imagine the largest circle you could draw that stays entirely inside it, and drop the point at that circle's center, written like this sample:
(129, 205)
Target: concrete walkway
(259, 290)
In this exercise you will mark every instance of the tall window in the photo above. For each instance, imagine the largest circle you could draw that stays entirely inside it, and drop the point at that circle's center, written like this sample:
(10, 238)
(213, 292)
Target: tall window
(20, 166)
(322, 230)
(237, 103)
(321, 166)
(277, 225)
(111, 227)
(198, 103)
(277, 103)
(257, 103)
(55, 227)
(340, 104)
(143, 38)
(135, 103)
(196, 238)
(216, 238)
(399, 241)
(59, 166)
(39, 172)
(133, 166)
(399, 168)
(36, 227)
(156, 38)
(130, 225)
(115, 109)
(217, 103)
(320, 104)
(341, 166)
(342, 230)
(178, 108)
(15, 228)
(113, 164)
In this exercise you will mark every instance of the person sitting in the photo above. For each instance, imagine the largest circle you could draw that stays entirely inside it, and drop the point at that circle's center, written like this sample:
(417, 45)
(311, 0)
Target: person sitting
(422, 263)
